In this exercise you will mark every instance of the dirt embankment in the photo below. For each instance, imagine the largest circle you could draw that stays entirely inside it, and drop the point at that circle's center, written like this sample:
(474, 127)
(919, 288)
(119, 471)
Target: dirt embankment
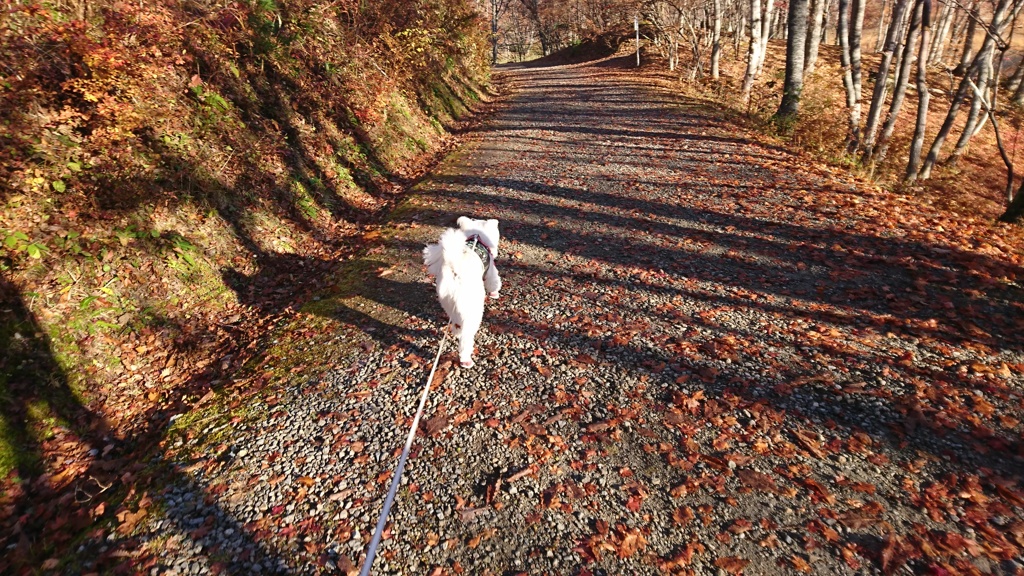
(176, 176)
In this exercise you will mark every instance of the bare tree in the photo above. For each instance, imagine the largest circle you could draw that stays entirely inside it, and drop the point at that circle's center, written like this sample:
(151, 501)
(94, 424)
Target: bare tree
(879, 34)
(814, 35)
(716, 38)
(923, 97)
(998, 22)
(851, 24)
(968, 50)
(877, 154)
(937, 49)
(796, 41)
(497, 10)
(882, 76)
(754, 51)
(768, 10)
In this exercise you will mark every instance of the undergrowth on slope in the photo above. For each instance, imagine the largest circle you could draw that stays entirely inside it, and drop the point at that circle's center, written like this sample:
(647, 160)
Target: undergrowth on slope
(174, 175)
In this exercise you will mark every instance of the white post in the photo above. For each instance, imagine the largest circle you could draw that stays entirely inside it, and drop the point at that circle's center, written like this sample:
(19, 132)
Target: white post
(636, 26)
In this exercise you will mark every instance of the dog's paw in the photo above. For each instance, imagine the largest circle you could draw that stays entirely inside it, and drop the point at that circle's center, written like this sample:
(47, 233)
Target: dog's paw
(494, 295)
(466, 363)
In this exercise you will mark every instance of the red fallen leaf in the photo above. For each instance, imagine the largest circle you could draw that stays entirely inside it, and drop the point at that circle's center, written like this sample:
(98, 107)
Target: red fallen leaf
(830, 534)
(435, 425)
(863, 517)
(682, 558)
(492, 423)
(891, 558)
(849, 555)
(634, 502)
(740, 525)
(129, 520)
(679, 491)
(810, 443)
(757, 480)
(600, 426)
(533, 429)
(818, 491)
(532, 468)
(732, 564)
(863, 487)
(346, 567)
(631, 541)
(586, 359)
(721, 443)
(682, 515)
(469, 514)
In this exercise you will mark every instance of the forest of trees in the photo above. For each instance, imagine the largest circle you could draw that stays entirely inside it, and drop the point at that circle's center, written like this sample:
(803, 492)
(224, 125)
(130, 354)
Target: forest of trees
(960, 49)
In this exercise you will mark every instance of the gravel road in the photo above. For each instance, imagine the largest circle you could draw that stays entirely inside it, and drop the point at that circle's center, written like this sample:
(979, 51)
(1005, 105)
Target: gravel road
(710, 355)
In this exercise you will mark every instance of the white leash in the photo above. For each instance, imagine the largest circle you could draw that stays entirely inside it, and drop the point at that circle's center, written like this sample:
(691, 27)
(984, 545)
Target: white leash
(372, 550)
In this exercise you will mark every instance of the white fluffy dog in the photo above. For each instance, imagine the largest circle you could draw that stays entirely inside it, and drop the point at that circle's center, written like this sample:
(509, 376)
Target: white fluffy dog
(463, 264)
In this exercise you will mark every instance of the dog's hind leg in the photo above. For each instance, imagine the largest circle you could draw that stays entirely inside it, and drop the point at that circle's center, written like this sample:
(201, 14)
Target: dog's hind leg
(492, 282)
(468, 334)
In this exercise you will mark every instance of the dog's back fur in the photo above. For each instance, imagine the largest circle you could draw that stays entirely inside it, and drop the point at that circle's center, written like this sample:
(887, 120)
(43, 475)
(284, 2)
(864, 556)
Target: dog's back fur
(459, 273)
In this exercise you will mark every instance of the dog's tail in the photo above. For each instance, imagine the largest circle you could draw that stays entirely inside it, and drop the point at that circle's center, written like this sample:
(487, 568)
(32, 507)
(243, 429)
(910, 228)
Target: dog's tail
(446, 252)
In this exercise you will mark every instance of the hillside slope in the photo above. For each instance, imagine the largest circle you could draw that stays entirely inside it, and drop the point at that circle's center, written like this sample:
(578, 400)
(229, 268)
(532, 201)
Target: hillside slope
(174, 173)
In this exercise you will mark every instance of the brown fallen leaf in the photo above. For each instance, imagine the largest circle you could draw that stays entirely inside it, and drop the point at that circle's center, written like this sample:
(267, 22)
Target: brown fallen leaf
(631, 541)
(732, 564)
(757, 480)
(682, 515)
(435, 425)
(467, 515)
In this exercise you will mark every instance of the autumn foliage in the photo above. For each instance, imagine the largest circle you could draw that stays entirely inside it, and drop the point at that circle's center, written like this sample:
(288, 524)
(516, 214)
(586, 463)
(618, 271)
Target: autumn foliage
(173, 174)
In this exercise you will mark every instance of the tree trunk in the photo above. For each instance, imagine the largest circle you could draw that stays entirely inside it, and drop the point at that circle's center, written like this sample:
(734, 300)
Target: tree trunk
(923, 97)
(796, 41)
(753, 56)
(716, 38)
(937, 50)
(877, 156)
(739, 31)
(968, 50)
(1018, 93)
(826, 23)
(1015, 80)
(998, 23)
(766, 32)
(879, 35)
(850, 23)
(973, 116)
(882, 77)
(495, 15)
(1015, 211)
(814, 35)
(533, 9)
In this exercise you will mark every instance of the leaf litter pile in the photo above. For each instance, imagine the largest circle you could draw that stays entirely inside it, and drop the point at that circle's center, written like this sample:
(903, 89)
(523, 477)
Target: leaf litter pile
(710, 357)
